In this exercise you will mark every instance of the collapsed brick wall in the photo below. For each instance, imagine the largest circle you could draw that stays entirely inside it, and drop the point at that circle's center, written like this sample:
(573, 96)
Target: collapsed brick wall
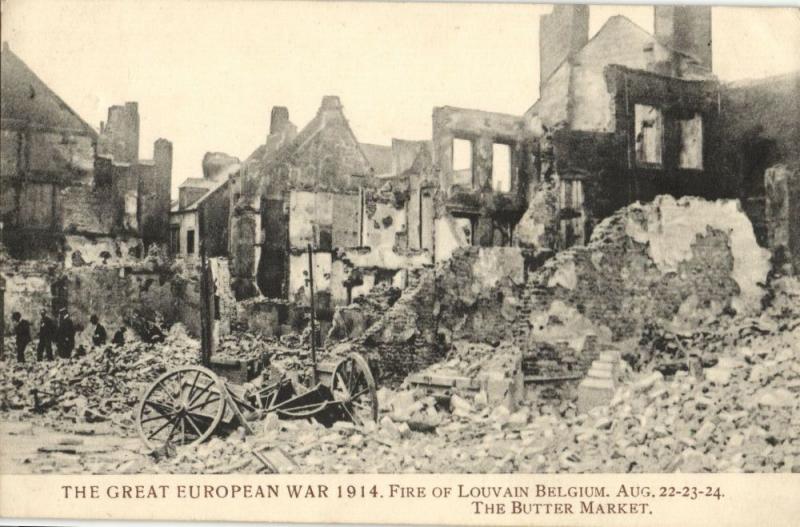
(351, 321)
(668, 262)
(404, 339)
(477, 293)
(471, 296)
(677, 262)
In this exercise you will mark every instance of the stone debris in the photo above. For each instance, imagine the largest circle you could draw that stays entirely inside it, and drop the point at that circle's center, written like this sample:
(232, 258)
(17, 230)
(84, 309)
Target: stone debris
(104, 384)
(492, 374)
(241, 346)
(689, 356)
(741, 414)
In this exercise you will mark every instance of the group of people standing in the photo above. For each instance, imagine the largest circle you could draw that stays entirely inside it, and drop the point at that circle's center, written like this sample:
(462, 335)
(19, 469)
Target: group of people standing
(59, 332)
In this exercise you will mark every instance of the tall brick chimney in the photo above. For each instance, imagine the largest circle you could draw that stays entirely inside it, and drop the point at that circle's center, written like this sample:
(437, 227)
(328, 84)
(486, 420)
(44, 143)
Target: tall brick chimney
(162, 159)
(561, 33)
(156, 193)
(685, 28)
(119, 136)
(330, 102)
(278, 120)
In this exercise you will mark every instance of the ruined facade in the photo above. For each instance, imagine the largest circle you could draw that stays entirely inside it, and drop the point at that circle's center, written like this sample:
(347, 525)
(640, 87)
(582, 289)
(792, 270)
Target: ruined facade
(319, 189)
(481, 159)
(72, 200)
(202, 211)
(628, 115)
(62, 181)
(622, 117)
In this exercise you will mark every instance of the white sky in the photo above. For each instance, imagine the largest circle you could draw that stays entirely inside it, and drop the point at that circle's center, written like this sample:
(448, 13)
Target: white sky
(206, 74)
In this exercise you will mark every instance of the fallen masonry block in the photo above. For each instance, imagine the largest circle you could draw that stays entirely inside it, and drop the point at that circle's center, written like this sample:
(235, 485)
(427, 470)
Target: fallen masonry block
(609, 356)
(601, 381)
(500, 380)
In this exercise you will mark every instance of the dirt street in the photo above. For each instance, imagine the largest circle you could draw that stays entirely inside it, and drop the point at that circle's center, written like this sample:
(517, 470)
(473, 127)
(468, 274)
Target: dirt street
(28, 448)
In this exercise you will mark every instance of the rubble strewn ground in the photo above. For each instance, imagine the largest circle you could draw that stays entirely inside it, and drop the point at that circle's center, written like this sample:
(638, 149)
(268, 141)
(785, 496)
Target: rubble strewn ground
(741, 414)
(710, 380)
(103, 384)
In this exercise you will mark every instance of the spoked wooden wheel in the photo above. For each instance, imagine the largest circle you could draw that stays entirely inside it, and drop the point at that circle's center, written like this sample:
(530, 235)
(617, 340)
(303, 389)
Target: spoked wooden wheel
(182, 407)
(353, 387)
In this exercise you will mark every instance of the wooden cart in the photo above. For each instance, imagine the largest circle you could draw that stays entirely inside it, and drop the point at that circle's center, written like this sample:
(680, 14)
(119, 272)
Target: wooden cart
(187, 405)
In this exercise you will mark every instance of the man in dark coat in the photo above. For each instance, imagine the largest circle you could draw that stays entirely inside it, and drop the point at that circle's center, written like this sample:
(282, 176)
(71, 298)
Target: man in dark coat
(47, 334)
(22, 331)
(66, 335)
(99, 336)
(119, 337)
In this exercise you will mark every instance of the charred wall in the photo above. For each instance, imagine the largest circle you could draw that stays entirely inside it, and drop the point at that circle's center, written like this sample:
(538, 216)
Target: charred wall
(490, 199)
(214, 222)
(677, 100)
(759, 129)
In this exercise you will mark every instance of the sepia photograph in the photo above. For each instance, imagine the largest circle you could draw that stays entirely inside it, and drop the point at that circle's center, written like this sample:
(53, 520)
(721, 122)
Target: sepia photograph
(263, 237)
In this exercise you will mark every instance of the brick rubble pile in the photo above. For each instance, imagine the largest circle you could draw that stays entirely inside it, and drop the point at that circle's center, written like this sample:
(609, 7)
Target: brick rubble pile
(106, 383)
(741, 414)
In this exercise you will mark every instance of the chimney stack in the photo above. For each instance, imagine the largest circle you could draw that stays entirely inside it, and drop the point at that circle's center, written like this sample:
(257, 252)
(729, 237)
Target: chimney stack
(278, 120)
(687, 29)
(330, 102)
(562, 33)
(119, 138)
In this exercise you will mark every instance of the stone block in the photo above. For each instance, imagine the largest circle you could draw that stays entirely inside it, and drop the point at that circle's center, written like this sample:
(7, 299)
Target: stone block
(609, 356)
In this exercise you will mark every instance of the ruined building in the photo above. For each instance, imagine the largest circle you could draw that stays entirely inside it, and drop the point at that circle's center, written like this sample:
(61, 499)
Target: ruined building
(625, 115)
(202, 210)
(317, 188)
(71, 197)
(621, 117)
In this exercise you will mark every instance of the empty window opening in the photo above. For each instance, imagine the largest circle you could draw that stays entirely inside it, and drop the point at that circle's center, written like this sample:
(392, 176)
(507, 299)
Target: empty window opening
(190, 242)
(462, 162)
(692, 143)
(649, 134)
(501, 167)
(175, 239)
(465, 225)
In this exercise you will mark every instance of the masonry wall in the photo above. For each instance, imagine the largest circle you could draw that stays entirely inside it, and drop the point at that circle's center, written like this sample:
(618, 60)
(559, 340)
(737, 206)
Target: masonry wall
(678, 100)
(118, 289)
(470, 296)
(488, 214)
(758, 127)
(214, 229)
(119, 135)
(589, 105)
(45, 175)
(482, 129)
(154, 196)
(404, 339)
(644, 265)
(685, 28)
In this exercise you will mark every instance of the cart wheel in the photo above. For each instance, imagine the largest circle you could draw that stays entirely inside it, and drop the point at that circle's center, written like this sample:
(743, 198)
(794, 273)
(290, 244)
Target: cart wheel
(353, 386)
(182, 407)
